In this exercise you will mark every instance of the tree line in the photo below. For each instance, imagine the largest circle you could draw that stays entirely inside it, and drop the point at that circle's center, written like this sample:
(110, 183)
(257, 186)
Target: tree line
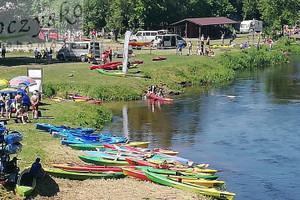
(121, 15)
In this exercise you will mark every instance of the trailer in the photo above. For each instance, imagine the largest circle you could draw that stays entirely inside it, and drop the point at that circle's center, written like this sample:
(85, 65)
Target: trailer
(248, 26)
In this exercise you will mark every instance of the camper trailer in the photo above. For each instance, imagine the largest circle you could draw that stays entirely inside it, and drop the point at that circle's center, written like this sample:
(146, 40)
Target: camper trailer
(248, 26)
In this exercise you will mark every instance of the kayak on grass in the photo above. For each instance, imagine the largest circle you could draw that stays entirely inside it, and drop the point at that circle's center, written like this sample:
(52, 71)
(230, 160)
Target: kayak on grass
(111, 73)
(219, 194)
(139, 44)
(102, 161)
(106, 65)
(176, 173)
(94, 147)
(108, 156)
(82, 175)
(159, 58)
(26, 183)
(135, 173)
(88, 168)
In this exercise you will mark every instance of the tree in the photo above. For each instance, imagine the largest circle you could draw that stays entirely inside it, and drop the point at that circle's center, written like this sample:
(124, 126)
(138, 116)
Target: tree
(278, 13)
(250, 9)
(95, 12)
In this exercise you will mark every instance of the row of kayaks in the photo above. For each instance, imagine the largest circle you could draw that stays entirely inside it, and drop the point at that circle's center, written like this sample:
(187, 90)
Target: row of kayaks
(134, 159)
(79, 135)
(205, 186)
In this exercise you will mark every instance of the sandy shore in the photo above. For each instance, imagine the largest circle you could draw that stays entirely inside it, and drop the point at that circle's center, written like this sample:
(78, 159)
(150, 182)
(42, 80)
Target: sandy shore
(121, 189)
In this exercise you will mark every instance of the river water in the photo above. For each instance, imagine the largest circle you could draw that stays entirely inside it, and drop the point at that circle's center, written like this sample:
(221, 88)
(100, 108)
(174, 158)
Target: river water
(249, 130)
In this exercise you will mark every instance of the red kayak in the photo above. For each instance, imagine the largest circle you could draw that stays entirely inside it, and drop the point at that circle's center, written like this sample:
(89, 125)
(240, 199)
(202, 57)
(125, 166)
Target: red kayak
(135, 173)
(137, 162)
(139, 44)
(89, 168)
(94, 102)
(152, 96)
(159, 58)
(138, 62)
(106, 65)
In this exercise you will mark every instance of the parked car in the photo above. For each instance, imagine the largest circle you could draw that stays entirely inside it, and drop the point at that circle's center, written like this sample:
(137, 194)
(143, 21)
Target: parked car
(144, 36)
(13, 92)
(168, 40)
(85, 51)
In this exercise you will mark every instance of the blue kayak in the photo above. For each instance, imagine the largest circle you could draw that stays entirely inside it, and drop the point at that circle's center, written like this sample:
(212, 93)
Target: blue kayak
(49, 127)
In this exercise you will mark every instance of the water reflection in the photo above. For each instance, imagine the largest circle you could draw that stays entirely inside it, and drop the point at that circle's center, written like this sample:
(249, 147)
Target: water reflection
(252, 137)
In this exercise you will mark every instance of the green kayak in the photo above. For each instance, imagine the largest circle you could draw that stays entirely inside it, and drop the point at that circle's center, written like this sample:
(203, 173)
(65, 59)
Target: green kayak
(81, 175)
(25, 183)
(94, 147)
(111, 72)
(102, 161)
(219, 194)
(172, 172)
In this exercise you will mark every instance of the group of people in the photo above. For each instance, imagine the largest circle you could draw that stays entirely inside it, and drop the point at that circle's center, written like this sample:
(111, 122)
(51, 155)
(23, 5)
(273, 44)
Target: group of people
(158, 92)
(8, 106)
(201, 49)
(46, 54)
(268, 41)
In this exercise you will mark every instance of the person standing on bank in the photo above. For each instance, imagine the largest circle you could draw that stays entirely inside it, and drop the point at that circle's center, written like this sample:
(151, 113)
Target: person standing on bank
(3, 52)
(180, 46)
(35, 105)
(110, 54)
(190, 48)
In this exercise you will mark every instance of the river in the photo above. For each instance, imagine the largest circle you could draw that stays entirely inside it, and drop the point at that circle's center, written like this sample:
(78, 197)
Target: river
(249, 130)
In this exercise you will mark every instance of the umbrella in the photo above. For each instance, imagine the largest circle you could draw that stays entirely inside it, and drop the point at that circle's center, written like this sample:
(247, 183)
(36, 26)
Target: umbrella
(3, 82)
(21, 80)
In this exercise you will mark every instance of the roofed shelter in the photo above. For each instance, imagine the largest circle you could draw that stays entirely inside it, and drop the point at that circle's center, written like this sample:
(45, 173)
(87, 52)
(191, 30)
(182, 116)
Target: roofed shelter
(195, 27)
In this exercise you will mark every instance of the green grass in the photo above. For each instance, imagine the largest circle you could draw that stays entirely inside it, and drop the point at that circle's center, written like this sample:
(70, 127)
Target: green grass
(41, 144)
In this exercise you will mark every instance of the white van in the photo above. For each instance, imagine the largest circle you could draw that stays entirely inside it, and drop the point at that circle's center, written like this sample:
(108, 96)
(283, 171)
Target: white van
(85, 51)
(168, 40)
(144, 36)
(248, 26)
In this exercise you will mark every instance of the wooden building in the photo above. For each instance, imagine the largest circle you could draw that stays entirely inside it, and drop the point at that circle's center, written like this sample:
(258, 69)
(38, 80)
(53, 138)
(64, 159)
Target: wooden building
(195, 27)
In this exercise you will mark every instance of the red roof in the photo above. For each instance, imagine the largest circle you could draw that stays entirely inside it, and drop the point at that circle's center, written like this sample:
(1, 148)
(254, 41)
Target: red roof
(207, 21)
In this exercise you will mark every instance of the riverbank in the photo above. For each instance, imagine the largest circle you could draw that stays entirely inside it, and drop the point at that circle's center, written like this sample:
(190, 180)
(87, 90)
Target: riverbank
(169, 74)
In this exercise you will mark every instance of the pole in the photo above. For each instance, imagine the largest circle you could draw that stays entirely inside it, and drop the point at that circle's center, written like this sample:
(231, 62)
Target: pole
(125, 51)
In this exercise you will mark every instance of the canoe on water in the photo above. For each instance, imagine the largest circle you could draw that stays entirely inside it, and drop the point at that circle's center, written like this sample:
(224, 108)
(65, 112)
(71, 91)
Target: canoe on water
(219, 194)
(82, 175)
(25, 183)
(152, 96)
(102, 161)
(88, 168)
(111, 73)
(94, 147)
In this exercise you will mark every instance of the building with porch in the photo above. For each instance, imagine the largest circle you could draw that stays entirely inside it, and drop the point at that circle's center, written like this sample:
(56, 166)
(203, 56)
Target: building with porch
(195, 27)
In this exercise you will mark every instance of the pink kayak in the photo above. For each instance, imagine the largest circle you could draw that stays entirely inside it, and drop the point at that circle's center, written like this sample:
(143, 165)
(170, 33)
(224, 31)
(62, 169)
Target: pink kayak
(152, 96)
(106, 65)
